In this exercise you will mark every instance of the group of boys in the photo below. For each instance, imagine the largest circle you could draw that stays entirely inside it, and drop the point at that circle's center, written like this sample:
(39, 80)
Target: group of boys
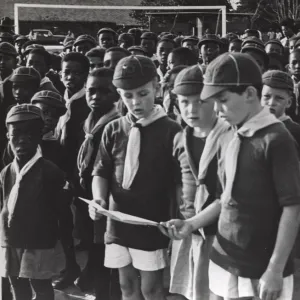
(225, 188)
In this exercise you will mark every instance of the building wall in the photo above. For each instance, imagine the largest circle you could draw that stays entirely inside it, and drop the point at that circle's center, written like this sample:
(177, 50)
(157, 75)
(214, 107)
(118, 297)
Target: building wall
(58, 14)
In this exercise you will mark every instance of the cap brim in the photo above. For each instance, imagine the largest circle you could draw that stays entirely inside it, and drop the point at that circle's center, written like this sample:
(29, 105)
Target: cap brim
(209, 91)
(188, 89)
(209, 41)
(23, 117)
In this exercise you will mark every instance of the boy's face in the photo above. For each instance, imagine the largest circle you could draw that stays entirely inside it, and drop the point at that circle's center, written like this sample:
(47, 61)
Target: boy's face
(95, 63)
(162, 52)
(83, 47)
(7, 63)
(274, 48)
(231, 107)
(140, 101)
(51, 116)
(278, 100)
(194, 111)
(106, 40)
(292, 45)
(18, 46)
(258, 58)
(112, 58)
(173, 61)
(23, 91)
(149, 46)
(209, 51)
(287, 31)
(100, 94)
(38, 62)
(235, 47)
(24, 138)
(294, 64)
(73, 76)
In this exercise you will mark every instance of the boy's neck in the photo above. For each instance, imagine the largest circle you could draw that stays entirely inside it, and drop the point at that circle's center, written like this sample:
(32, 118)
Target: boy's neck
(71, 93)
(203, 131)
(256, 109)
(23, 161)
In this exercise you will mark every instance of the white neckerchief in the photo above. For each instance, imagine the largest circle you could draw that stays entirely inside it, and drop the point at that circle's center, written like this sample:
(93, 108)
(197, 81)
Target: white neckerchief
(61, 126)
(13, 196)
(263, 119)
(45, 80)
(134, 143)
(87, 148)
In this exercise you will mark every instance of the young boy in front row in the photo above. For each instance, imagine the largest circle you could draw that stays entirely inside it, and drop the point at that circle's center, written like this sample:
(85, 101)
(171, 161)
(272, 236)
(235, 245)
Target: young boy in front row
(101, 96)
(136, 167)
(251, 255)
(196, 144)
(31, 199)
(278, 96)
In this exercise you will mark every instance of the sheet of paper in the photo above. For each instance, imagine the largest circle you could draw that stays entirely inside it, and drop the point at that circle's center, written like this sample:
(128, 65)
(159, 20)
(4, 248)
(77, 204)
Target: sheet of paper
(121, 217)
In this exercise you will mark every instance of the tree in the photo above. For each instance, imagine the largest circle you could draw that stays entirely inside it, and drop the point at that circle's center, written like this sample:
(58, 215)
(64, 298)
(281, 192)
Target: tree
(142, 16)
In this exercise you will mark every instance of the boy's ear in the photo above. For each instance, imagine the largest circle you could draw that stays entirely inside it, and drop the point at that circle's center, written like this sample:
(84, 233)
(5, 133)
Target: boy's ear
(251, 94)
(291, 98)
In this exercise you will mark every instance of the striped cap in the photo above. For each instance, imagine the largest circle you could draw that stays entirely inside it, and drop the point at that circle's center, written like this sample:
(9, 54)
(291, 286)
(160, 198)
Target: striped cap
(230, 69)
(23, 112)
(50, 98)
(8, 49)
(22, 74)
(85, 38)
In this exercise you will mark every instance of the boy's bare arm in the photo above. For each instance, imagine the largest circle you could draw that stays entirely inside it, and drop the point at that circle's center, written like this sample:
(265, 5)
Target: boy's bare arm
(272, 279)
(100, 190)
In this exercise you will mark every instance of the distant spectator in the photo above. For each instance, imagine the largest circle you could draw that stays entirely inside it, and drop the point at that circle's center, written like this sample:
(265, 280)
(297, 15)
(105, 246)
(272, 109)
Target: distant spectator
(84, 43)
(235, 45)
(107, 38)
(125, 40)
(288, 29)
(96, 57)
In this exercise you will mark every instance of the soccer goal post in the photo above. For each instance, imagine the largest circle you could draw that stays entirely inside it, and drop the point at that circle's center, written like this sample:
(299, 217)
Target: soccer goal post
(220, 9)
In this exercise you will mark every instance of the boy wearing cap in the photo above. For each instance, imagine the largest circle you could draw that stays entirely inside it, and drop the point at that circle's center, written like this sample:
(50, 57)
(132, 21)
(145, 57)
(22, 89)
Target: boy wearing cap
(137, 50)
(31, 198)
(191, 42)
(136, 167)
(40, 60)
(235, 45)
(107, 38)
(209, 49)
(181, 56)
(126, 40)
(196, 151)
(164, 48)
(255, 48)
(113, 55)
(101, 96)
(274, 46)
(251, 255)
(8, 62)
(25, 83)
(278, 96)
(84, 43)
(149, 42)
(96, 57)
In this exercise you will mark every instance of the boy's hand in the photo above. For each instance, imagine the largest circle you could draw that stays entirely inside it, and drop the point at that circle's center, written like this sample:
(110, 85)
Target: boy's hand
(94, 212)
(176, 229)
(270, 285)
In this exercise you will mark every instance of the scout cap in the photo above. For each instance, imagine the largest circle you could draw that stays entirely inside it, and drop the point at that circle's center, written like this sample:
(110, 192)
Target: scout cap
(134, 71)
(230, 69)
(31, 47)
(278, 80)
(189, 81)
(50, 98)
(277, 42)
(8, 49)
(190, 38)
(85, 38)
(137, 48)
(6, 37)
(149, 36)
(24, 112)
(209, 38)
(106, 29)
(22, 74)
(21, 38)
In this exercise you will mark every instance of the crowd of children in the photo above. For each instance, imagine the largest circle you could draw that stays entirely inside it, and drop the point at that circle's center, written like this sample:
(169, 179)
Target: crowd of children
(201, 136)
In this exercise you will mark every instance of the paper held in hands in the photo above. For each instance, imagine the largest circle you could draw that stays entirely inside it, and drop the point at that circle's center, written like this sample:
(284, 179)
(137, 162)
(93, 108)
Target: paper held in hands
(121, 217)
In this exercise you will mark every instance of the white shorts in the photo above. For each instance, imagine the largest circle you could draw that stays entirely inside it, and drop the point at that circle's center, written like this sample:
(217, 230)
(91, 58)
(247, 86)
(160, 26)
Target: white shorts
(117, 257)
(226, 285)
(189, 267)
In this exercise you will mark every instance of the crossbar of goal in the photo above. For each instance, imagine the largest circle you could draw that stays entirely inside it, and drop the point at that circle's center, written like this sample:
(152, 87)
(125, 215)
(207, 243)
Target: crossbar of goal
(17, 6)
